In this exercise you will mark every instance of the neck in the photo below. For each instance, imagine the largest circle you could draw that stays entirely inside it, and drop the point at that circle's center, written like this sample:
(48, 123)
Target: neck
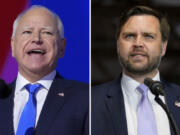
(34, 77)
(140, 78)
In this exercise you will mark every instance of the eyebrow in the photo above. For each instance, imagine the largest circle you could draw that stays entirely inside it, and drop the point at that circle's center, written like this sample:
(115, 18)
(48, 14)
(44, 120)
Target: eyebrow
(127, 33)
(144, 33)
(47, 28)
(149, 33)
(43, 28)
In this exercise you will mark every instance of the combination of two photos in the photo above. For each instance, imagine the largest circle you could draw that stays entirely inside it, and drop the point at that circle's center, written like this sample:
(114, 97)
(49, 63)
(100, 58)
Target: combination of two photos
(90, 67)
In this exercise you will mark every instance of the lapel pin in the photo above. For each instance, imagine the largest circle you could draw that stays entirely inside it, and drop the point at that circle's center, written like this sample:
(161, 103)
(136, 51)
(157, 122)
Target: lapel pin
(177, 103)
(61, 94)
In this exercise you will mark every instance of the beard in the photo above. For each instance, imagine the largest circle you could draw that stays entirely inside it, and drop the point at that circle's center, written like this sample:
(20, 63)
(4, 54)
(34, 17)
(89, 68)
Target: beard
(151, 64)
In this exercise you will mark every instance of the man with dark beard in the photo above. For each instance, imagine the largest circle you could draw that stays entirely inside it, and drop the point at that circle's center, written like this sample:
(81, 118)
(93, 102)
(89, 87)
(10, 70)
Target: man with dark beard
(126, 106)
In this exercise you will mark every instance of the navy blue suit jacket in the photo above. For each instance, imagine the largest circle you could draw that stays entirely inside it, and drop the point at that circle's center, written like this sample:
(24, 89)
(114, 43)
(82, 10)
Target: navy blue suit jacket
(108, 109)
(60, 115)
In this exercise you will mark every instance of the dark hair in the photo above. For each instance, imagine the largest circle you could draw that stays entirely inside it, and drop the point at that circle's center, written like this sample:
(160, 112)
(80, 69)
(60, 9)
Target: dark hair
(144, 10)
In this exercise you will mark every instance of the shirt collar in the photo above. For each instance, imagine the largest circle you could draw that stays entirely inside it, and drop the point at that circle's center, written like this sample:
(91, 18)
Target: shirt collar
(46, 81)
(130, 85)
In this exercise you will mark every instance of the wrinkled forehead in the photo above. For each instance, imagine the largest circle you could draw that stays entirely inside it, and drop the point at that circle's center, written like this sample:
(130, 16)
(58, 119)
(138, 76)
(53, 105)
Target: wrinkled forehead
(38, 17)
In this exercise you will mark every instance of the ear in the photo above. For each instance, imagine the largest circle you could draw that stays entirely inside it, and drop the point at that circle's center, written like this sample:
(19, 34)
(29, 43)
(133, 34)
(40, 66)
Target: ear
(62, 47)
(164, 46)
(12, 47)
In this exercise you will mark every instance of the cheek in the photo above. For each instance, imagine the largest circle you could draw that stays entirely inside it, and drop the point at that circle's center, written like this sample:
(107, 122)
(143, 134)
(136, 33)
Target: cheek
(16, 49)
(123, 48)
(155, 49)
(18, 52)
(19, 47)
(53, 48)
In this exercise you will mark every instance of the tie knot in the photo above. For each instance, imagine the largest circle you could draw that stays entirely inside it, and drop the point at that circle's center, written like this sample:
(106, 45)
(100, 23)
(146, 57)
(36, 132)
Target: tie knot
(33, 88)
(143, 89)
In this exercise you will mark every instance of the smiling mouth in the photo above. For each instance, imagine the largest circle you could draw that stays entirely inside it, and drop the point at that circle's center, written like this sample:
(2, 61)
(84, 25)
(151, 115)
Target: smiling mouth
(38, 51)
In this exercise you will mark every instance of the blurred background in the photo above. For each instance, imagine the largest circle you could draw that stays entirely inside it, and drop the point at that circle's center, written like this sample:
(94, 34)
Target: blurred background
(75, 17)
(104, 61)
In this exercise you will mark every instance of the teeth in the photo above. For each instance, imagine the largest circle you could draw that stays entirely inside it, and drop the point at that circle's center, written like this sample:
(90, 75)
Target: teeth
(36, 51)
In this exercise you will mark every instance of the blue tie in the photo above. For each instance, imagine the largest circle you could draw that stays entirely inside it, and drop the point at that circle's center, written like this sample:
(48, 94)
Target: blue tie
(28, 117)
(146, 118)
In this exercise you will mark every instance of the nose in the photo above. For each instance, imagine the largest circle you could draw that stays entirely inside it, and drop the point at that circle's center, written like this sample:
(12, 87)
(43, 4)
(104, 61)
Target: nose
(37, 38)
(138, 42)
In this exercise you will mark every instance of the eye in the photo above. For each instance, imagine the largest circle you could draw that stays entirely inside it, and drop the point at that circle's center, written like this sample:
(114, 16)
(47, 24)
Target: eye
(148, 36)
(27, 32)
(47, 32)
(129, 36)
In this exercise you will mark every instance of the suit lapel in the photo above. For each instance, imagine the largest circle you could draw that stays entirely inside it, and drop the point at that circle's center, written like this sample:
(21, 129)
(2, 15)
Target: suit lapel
(172, 95)
(53, 103)
(6, 115)
(116, 108)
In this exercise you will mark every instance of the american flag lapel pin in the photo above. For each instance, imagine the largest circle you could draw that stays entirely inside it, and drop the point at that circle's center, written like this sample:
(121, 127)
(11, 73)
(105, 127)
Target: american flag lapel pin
(61, 94)
(177, 102)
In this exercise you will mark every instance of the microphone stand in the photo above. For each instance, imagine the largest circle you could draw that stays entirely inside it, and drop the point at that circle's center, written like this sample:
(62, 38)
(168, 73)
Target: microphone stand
(157, 89)
(172, 122)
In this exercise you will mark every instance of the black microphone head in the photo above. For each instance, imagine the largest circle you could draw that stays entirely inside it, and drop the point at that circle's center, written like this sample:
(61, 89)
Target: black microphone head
(155, 86)
(4, 89)
(148, 82)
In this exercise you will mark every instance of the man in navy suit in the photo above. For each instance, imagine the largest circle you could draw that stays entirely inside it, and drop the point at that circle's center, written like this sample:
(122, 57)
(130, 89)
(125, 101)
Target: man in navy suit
(142, 36)
(61, 105)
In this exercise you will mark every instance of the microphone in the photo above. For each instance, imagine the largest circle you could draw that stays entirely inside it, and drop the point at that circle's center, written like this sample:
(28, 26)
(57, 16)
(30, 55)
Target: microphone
(5, 91)
(157, 89)
(155, 86)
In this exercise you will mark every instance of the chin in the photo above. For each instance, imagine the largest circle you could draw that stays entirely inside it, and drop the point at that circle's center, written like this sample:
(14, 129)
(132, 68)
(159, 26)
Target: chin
(37, 69)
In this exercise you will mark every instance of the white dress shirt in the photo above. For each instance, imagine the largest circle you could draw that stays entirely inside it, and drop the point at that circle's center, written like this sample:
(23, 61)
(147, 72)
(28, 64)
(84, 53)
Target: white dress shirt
(131, 99)
(21, 96)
